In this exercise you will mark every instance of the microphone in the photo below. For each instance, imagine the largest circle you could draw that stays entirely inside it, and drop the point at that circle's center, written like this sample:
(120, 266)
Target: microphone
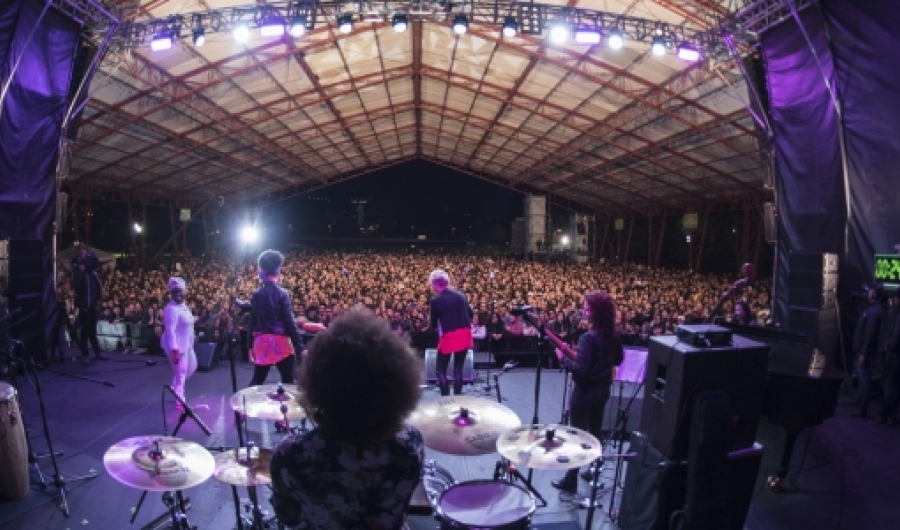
(190, 412)
(520, 310)
(509, 366)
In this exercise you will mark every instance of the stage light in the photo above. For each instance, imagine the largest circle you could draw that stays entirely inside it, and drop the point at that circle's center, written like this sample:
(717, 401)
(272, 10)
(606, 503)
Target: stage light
(399, 22)
(559, 33)
(564, 240)
(161, 41)
(272, 27)
(249, 234)
(345, 23)
(298, 25)
(241, 32)
(615, 39)
(137, 228)
(587, 36)
(460, 24)
(658, 46)
(510, 27)
(688, 52)
(199, 37)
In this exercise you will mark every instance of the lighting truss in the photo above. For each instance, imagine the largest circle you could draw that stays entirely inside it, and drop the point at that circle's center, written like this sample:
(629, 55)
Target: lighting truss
(533, 18)
(759, 15)
(86, 12)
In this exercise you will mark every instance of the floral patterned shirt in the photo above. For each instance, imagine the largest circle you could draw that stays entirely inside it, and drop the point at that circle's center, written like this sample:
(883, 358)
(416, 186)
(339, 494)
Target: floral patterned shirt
(318, 483)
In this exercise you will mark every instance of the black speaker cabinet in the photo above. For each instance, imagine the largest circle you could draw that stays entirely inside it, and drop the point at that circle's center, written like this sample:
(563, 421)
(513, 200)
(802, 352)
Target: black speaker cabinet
(431, 367)
(677, 371)
(28, 325)
(26, 271)
(656, 487)
(206, 356)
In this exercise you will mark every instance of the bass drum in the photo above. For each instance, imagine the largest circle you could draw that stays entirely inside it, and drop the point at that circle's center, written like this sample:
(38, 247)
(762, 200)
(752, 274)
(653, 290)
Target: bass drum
(435, 481)
(14, 480)
(486, 504)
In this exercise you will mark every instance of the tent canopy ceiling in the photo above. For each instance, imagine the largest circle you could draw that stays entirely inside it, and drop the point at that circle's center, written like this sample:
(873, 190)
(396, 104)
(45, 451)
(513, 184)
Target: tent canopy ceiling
(619, 131)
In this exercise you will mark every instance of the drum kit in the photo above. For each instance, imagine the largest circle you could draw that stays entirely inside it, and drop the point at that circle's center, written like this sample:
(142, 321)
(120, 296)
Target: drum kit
(171, 465)
(472, 426)
(455, 425)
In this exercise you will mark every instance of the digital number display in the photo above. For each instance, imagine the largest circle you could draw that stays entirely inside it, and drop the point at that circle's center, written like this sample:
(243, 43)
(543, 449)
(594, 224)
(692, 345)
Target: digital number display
(887, 268)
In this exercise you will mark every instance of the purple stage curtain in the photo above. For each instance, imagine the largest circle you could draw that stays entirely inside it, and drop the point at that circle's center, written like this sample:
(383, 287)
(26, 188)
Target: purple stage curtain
(32, 115)
(856, 43)
(810, 186)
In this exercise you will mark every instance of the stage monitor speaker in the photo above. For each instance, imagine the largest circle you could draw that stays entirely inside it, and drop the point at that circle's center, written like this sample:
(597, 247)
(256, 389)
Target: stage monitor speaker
(707, 477)
(819, 326)
(431, 367)
(206, 356)
(677, 371)
(655, 487)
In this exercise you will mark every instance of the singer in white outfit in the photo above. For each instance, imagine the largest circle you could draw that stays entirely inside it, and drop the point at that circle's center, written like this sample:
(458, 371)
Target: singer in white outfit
(178, 336)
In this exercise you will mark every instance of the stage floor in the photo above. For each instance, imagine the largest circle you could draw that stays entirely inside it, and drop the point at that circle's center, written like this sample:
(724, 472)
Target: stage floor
(849, 477)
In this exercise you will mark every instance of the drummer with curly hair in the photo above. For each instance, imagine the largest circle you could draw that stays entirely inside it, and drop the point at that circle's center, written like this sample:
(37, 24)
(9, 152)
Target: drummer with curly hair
(359, 466)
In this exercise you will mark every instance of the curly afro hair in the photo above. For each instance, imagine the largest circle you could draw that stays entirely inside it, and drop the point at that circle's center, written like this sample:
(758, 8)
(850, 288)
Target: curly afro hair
(360, 379)
(270, 261)
(603, 312)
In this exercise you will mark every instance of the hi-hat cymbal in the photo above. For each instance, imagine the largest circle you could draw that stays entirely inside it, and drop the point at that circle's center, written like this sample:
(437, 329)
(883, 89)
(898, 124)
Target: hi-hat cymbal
(159, 463)
(264, 402)
(530, 446)
(238, 468)
(463, 425)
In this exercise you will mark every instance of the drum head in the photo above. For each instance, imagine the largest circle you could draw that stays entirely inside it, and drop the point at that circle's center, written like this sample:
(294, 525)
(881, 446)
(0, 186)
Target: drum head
(486, 503)
(7, 392)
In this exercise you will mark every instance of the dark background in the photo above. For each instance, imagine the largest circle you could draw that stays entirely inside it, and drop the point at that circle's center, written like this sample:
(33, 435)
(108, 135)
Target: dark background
(453, 210)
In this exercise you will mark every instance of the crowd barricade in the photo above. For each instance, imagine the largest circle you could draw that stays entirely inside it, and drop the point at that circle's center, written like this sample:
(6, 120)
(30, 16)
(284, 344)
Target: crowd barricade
(119, 335)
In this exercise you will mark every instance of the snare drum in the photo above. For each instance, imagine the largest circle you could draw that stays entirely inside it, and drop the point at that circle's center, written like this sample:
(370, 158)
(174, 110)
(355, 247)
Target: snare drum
(14, 480)
(486, 504)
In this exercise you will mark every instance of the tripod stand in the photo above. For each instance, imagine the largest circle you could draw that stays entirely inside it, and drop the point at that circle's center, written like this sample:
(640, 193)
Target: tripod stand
(58, 480)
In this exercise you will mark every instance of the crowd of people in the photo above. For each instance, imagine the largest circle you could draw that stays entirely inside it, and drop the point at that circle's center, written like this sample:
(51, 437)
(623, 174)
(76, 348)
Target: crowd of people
(395, 287)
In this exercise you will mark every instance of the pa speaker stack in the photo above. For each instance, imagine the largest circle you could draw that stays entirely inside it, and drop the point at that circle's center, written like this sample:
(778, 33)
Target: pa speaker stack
(26, 293)
(698, 425)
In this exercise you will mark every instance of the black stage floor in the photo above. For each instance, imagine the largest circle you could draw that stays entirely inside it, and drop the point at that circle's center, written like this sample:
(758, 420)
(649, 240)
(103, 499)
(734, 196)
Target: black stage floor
(849, 479)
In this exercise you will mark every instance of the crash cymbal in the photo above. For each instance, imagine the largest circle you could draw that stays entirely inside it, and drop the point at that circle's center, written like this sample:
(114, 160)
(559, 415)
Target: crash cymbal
(533, 446)
(264, 402)
(159, 463)
(244, 466)
(463, 425)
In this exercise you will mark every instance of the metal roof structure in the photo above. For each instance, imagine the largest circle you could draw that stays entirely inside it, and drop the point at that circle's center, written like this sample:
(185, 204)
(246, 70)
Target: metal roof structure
(611, 130)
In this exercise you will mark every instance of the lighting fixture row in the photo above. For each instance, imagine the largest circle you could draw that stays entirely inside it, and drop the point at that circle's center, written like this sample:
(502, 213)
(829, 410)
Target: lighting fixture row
(559, 33)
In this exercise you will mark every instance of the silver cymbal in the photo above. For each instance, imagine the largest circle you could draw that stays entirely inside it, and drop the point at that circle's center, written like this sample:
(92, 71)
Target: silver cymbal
(530, 446)
(264, 402)
(159, 463)
(463, 425)
(239, 468)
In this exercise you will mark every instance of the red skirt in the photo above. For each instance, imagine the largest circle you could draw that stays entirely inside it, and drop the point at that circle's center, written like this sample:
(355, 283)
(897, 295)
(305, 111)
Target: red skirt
(456, 340)
(270, 349)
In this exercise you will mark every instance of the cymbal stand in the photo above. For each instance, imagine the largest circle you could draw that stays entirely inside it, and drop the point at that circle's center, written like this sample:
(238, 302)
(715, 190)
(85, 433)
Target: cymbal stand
(619, 428)
(542, 351)
(504, 469)
(177, 510)
(238, 422)
(567, 382)
(58, 479)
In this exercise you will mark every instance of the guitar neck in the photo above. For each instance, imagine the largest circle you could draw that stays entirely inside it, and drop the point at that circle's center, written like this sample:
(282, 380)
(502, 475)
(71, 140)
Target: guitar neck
(565, 348)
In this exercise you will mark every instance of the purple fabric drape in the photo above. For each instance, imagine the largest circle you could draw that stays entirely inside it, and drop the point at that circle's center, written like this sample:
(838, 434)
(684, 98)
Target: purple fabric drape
(30, 127)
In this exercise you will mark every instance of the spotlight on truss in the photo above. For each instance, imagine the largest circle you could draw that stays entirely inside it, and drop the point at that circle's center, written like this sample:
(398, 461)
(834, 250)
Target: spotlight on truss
(298, 25)
(400, 22)
(345, 23)
(615, 40)
(161, 41)
(658, 46)
(510, 27)
(688, 52)
(241, 32)
(460, 24)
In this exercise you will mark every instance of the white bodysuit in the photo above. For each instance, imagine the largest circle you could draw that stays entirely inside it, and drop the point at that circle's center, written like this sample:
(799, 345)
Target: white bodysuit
(178, 334)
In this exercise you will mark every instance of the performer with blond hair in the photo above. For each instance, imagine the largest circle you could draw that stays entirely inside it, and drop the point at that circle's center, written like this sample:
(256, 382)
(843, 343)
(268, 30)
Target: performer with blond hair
(451, 315)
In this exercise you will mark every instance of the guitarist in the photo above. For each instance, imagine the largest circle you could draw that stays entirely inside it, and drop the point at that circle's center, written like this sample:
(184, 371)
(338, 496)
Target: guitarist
(598, 352)
(451, 315)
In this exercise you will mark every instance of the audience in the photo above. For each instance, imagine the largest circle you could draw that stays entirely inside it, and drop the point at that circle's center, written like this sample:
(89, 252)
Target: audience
(394, 286)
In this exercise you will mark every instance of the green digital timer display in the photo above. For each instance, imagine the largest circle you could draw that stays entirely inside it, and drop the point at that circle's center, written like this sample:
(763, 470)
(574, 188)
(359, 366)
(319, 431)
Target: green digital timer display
(887, 268)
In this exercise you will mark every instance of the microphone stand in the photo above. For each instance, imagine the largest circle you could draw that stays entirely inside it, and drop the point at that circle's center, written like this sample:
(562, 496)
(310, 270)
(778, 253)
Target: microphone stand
(542, 347)
(58, 479)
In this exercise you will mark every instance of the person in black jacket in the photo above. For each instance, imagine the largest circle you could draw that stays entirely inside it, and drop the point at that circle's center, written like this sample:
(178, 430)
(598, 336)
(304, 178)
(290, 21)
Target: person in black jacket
(272, 325)
(86, 281)
(865, 346)
(599, 351)
(451, 315)
(890, 375)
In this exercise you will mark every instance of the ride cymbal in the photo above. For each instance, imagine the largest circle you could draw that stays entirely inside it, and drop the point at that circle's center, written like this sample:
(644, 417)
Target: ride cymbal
(463, 425)
(265, 401)
(159, 463)
(549, 447)
(244, 466)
